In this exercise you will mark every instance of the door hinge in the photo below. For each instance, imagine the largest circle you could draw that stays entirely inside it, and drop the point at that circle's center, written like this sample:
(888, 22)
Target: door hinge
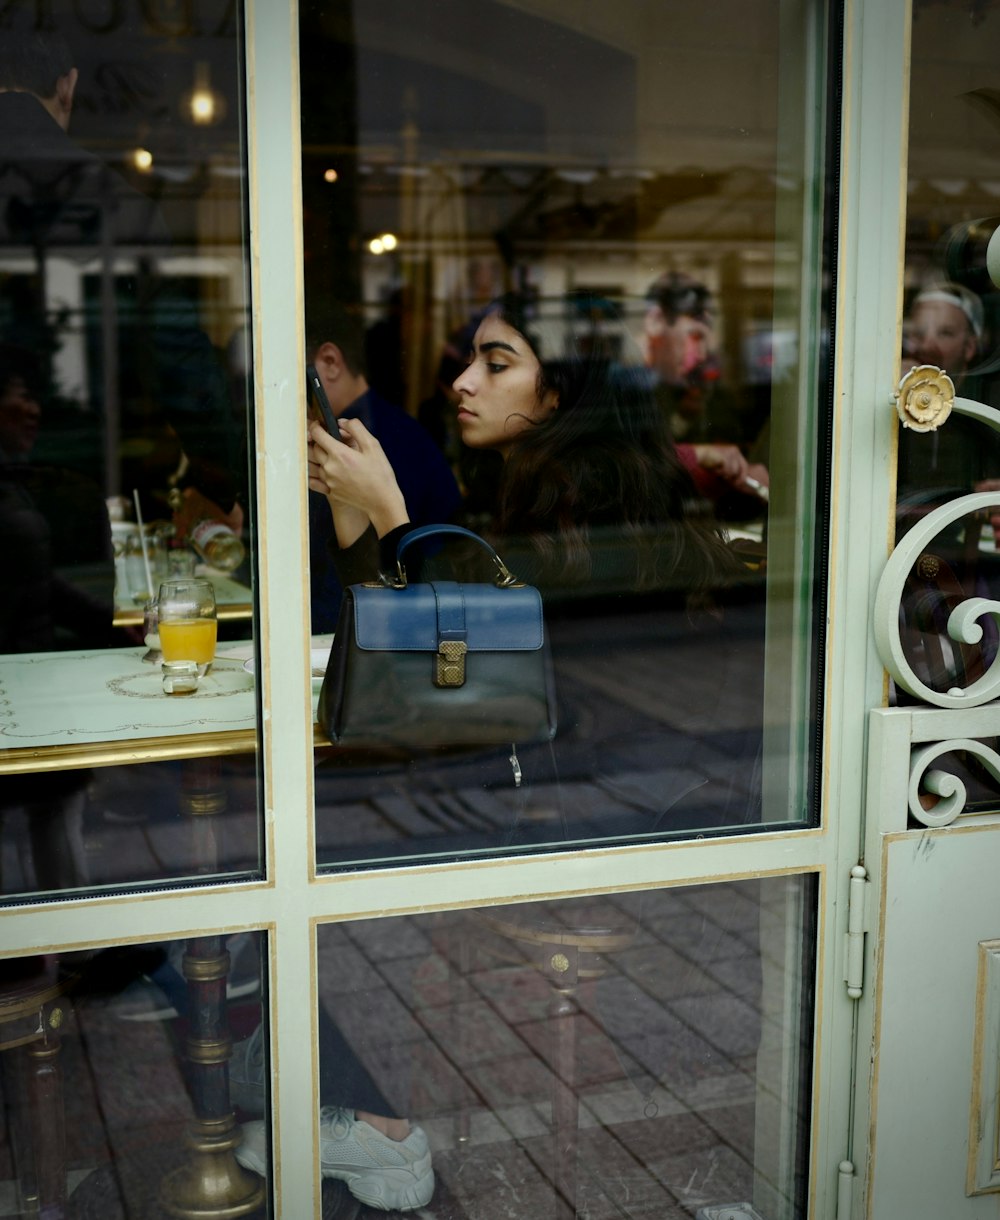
(845, 1190)
(857, 926)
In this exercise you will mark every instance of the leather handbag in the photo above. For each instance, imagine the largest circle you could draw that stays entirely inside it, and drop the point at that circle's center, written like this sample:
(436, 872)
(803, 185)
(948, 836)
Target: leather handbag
(440, 663)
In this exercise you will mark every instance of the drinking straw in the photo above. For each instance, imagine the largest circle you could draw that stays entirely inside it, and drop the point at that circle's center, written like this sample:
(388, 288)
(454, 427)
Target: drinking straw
(142, 541)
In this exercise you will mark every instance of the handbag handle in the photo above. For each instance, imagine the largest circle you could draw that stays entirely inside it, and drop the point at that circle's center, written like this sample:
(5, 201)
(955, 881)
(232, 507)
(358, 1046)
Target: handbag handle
(505, 578)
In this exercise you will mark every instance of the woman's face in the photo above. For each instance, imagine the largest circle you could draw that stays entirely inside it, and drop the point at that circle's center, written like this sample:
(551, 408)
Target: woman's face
(498, 392)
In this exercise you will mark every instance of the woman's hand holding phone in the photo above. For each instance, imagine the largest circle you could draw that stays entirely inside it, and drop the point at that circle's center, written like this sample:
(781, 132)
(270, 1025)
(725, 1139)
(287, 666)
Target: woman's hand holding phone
(356, 473)
(349, 523)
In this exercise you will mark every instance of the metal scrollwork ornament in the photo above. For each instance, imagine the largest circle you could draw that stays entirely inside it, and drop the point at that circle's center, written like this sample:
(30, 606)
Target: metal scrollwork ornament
(924, 399)
(963, 625)
(924, 781)
(918, 593)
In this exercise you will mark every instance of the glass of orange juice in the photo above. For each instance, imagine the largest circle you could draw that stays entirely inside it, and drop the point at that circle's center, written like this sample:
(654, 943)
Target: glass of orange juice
(188, 625)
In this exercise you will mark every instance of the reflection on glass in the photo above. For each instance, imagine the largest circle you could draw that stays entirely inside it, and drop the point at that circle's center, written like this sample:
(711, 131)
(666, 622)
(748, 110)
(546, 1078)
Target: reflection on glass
(952, 300)
(112, 825)
(951, 310)
(633, 1055)
(589, 299)
(123, 379)
(104, 1113)
(952, 321)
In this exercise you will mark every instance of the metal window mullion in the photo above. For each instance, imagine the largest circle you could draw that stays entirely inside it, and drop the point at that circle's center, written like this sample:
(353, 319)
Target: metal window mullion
(278, 344)
(869, 288)
(564, 875)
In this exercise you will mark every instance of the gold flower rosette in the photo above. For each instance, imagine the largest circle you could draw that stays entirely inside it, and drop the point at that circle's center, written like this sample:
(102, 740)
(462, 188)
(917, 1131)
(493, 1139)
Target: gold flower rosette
(924, 398)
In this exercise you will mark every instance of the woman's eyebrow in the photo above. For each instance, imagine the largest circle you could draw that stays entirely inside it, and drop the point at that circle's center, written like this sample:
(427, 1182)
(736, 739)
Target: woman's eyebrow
(494, 345)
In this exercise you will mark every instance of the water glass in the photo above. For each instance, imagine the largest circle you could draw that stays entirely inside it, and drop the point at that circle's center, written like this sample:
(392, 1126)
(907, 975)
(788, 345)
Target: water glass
(181, 563)
(151, 632)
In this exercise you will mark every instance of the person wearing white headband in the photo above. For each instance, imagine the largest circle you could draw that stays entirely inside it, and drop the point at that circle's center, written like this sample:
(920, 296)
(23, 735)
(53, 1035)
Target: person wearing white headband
(945, 328)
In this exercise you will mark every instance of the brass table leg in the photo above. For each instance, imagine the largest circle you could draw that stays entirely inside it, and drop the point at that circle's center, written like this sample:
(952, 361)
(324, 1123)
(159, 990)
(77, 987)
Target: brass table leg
(48, 1126)
(566, 955)
(203, 798)
(562, 971)
(33, 1009)
(211, 1185)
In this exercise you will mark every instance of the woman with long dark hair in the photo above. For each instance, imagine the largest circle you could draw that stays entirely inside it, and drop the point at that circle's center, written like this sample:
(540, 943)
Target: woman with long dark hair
(590, 476)
(593, 507)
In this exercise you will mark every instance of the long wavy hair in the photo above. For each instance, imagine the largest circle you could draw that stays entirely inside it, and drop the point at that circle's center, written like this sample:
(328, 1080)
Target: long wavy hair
(602, 470)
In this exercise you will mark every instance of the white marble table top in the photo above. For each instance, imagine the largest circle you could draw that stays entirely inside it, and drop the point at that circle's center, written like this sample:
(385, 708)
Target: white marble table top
(101, 707)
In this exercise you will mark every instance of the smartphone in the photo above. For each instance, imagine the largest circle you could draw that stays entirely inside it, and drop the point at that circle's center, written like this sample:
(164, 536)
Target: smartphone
(318, 396)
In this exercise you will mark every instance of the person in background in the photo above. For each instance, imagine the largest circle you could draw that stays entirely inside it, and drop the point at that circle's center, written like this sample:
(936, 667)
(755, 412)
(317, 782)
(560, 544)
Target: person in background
(680, 350)
(54, 530)
(58, 594)
(944, 328)
(335, 346)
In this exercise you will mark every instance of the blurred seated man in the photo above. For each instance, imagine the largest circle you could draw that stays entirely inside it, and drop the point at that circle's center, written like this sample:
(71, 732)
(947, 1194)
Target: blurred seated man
(59, 583)
(335, 343)
(58, 594)
(679, 344)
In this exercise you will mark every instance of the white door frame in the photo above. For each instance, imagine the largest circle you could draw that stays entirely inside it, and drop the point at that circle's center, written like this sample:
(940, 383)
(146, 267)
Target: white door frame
(902, 743)
(292, 900)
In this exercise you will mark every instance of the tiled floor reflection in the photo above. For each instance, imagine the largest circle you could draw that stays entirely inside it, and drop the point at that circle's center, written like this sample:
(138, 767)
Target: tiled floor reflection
(650, 1059)
(465, 1026)
(133, 826)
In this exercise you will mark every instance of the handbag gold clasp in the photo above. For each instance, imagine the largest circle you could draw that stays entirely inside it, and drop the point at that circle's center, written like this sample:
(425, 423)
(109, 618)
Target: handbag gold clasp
(450, 667)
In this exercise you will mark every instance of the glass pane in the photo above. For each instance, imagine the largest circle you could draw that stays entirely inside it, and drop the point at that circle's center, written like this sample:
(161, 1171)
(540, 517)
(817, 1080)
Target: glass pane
(102, 1104)
(124, 397)
(118, 825)
(640, 186)
(634, 1055)
(952, 322)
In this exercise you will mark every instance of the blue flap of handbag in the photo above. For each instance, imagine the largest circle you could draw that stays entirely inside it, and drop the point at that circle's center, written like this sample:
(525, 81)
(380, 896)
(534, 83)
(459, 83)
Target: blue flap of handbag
(418, 617)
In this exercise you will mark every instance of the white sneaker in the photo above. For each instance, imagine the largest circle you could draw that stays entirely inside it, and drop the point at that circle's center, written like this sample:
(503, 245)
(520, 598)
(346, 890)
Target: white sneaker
(252, 1153)
(392, 1175)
